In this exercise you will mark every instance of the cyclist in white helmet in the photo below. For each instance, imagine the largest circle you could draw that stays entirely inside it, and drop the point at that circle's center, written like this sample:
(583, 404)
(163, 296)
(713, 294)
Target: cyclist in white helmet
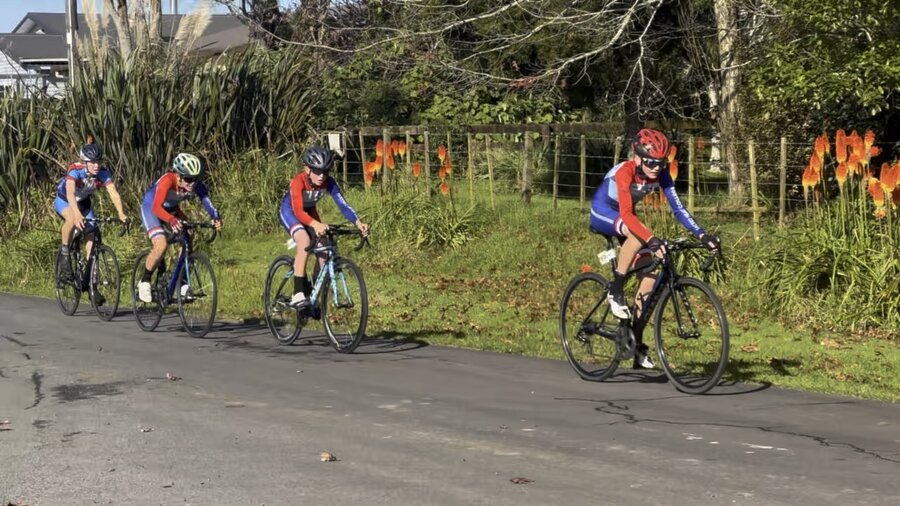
(160, 206)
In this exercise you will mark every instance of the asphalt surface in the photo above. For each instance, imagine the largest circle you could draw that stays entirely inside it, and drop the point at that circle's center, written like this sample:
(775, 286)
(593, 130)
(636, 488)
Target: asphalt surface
(93, 419)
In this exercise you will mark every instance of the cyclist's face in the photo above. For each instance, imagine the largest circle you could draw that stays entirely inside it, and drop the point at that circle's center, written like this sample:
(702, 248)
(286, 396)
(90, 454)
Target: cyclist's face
(316, 179)
(652, 167)
(187, 183)
(92, 167)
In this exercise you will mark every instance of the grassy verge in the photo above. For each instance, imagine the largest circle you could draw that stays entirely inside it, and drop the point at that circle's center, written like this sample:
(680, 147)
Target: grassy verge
(500, 291)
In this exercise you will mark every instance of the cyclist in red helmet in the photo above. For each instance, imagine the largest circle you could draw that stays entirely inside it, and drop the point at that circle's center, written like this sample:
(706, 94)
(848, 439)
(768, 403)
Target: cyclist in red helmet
(613, 214)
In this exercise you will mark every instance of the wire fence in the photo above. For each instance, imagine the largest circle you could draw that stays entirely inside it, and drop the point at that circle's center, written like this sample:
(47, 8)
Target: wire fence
(569, 162)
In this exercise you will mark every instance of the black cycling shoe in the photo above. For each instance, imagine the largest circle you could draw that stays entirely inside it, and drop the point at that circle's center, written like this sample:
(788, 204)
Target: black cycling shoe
(641, 358)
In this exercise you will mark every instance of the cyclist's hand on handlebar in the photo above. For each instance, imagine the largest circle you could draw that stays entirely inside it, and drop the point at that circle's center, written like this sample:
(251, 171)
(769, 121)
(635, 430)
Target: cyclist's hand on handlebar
(320, 228)
(657, 247)
(712, 243)
(363, 228)
(175, 224)
(217, 224)
(79, 220)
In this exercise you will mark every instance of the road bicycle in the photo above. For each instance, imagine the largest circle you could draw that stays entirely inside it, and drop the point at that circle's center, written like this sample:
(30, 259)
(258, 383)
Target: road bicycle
(338, 296)
(191, 285)
(97, 274)
(689, 323)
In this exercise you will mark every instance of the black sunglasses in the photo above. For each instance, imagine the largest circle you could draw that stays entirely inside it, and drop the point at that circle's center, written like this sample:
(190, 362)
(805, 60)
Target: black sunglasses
(189, 180)
(654, 164)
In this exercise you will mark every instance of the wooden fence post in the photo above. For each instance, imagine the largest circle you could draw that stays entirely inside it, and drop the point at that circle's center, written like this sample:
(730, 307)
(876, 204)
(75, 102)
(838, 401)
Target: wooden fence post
(583, 162)
(427, 165)
(782, 182)
(490, 164)
(617, 149)
(526, 169)
(470, 153)
(362, 158)
(691, 174)
(345, 144)
(555, 170)
(753, 190)
(385, 171)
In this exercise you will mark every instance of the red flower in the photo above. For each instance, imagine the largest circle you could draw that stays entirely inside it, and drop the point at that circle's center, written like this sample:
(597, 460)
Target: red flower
(445, 188)
(417, 169)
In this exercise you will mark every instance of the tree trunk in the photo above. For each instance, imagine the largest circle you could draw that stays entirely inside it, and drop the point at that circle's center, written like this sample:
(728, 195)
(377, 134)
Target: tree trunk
(730, 109)
(123, 31)
(155, 22)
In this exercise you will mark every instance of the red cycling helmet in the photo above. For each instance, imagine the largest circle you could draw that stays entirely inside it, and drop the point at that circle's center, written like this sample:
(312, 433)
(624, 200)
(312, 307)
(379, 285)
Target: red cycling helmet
(649, 143)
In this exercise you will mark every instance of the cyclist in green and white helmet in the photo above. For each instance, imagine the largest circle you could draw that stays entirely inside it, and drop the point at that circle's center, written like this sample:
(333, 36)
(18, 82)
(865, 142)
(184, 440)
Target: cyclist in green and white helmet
(160, 205)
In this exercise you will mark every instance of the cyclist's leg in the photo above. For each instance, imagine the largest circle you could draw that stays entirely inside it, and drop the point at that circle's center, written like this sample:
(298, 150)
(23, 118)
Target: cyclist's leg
(302, 240)
(68, 227)
(159, 243)
(607, 221)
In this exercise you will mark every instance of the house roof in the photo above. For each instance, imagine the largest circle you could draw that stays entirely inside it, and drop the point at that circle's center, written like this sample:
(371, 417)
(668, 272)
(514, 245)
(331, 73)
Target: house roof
(54, 23)
(219, 42)
(21, 47)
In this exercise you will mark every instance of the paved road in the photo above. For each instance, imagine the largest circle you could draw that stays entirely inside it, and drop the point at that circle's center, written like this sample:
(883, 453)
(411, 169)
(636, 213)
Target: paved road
(93, 420)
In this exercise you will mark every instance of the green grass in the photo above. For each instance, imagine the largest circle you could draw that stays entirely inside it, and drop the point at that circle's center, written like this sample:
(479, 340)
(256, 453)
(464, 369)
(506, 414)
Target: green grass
(500, 291)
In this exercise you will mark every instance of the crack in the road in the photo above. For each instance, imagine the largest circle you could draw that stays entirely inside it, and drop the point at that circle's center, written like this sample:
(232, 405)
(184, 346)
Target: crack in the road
(27, 356)
(2, 375)
(823, 441)
(37, 379)
(15, 341)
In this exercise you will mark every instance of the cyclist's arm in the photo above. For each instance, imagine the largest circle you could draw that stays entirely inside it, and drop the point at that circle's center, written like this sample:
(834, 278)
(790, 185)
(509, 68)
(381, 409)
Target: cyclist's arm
(163, 186)
(72, 175)
(681, 213)
(106, 179)
(203, 194)
(298, 184)
(342, 204)
(624, 178)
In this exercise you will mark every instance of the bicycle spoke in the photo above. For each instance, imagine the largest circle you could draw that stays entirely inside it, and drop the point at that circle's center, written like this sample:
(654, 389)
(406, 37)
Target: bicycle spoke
(692, 336)
(587, 328)
(345, 306)
(283, 319)
(197, 296)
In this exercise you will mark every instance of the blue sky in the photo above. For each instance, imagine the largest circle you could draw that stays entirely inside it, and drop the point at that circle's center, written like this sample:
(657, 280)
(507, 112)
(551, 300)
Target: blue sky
(12, 11)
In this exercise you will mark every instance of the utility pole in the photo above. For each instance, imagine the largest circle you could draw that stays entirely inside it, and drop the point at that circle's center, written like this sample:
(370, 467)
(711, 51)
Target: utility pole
(71, 35)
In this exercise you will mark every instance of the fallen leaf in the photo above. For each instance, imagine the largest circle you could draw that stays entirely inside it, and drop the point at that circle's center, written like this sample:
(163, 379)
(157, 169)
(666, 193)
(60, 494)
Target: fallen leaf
(146, 429)
(327, 457)
(830, 343)
(750, 348)
(521, 481)
(172, 377)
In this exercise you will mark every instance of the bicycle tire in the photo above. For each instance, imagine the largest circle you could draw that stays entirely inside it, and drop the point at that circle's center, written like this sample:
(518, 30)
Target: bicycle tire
(104, 267)
(202, 288)
(345, 341)
(278, 304)
(68, 293)
(588, 291)
(146, 314)
(696, 375)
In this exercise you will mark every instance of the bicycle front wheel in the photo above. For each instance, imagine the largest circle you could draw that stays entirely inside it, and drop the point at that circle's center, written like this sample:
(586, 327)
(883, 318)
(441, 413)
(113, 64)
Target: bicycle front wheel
(588, 329)
(198, 295)
(284, 320)
(345, 306)
(68, 290)
(146, 314)
(106, 283)
(692, 336)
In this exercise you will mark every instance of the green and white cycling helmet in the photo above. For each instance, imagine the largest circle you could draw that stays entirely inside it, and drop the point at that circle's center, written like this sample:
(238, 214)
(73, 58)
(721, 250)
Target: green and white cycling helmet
(186, 165)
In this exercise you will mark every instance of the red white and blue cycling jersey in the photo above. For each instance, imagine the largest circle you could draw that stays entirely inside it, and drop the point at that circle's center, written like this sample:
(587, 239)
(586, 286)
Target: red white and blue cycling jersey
(612, 209)
(85, 186)
(163, 198)
(298, 207)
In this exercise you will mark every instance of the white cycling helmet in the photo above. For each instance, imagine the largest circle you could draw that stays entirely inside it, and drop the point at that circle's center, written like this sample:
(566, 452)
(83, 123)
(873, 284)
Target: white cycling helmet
(186, 165)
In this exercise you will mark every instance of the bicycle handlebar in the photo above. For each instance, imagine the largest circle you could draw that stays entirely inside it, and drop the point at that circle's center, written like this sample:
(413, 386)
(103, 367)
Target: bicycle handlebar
(676, 246)
(98, 222)
(336, 230)
(188, 225)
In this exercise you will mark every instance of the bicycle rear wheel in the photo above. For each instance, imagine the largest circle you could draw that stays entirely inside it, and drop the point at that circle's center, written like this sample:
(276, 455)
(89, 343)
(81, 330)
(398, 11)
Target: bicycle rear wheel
(692, 336)
(146, 314)
(198, 295)
(284, 321)
(587, 328)
(346, 315)
(68, 291)
(106, 283)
